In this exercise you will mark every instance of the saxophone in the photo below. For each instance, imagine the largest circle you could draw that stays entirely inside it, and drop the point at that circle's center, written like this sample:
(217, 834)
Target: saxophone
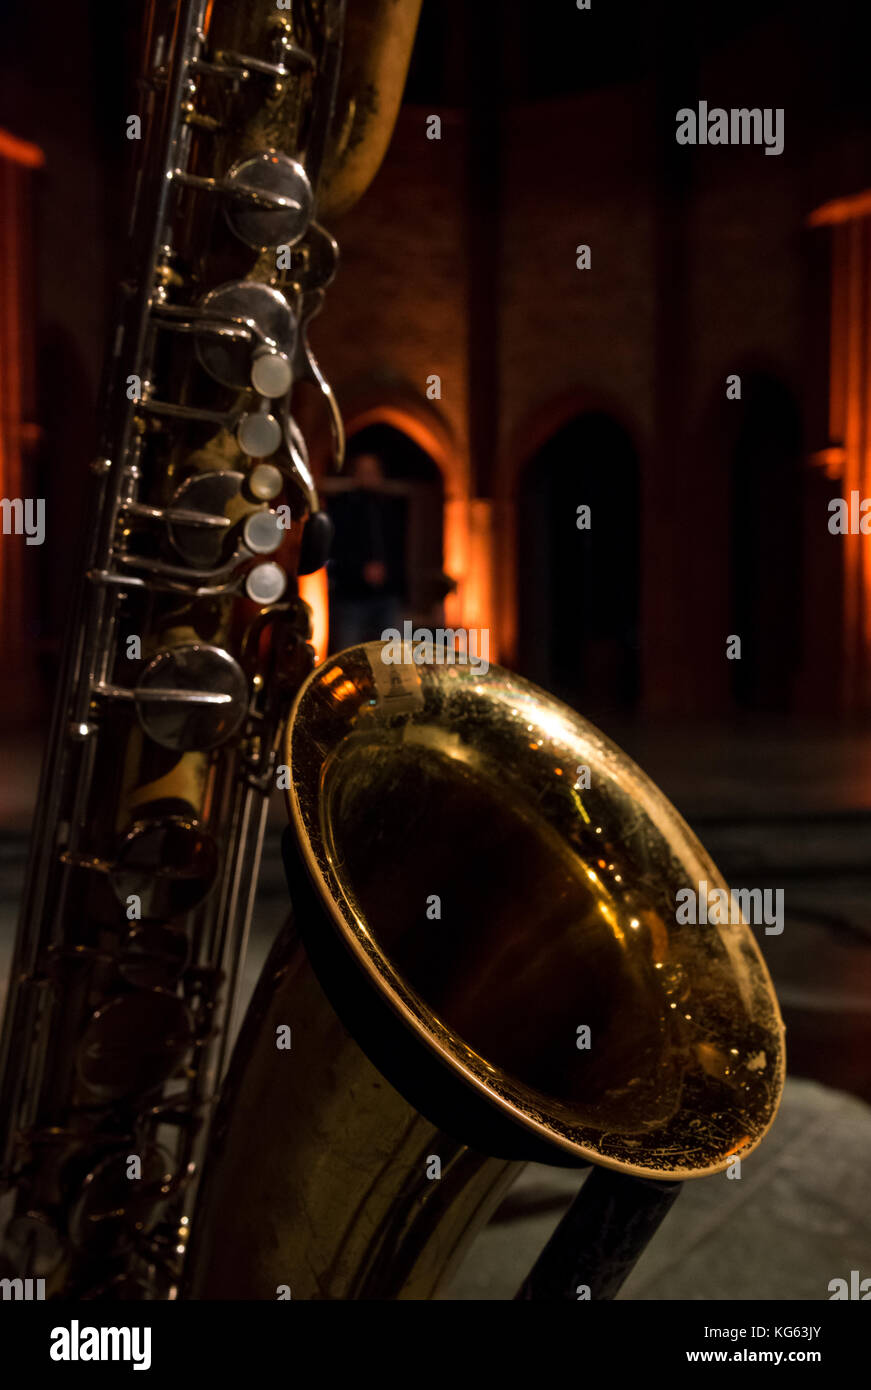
(407, 1066)
(188, 639)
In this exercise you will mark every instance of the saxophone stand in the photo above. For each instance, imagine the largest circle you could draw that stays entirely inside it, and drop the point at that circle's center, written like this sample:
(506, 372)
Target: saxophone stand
(600, 1239)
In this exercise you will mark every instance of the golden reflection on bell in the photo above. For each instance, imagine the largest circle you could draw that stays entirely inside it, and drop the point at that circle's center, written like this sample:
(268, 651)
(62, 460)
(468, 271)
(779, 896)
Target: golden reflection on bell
(555, 987)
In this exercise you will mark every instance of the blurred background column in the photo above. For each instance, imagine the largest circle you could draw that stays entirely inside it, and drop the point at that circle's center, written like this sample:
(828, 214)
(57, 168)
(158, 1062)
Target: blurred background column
(19, 561)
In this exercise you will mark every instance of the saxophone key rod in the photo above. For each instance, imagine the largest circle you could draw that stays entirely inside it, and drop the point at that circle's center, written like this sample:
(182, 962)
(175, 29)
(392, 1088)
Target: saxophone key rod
(240, 65)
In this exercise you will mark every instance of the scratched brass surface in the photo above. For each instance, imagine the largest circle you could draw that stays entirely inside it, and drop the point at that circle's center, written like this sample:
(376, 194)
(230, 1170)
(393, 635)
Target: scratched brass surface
(558, 910)
(379, 35)
(317, 1178)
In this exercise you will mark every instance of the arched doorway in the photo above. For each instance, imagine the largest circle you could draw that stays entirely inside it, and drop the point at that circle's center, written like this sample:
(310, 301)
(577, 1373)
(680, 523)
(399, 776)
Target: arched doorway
(578, 586)
(765, 531)
(410, 520)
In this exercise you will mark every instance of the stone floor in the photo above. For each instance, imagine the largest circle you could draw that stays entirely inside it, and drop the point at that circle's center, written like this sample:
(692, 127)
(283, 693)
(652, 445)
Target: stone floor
(798, 1217)
(776, 806)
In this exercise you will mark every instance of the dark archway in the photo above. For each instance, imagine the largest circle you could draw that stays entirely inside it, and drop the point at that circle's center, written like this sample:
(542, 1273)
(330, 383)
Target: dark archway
(578, 589)
(415, 495)
(766, 535)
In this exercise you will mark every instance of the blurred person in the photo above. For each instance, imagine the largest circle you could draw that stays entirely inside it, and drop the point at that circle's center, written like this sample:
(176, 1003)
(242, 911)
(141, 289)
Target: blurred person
(367, 578)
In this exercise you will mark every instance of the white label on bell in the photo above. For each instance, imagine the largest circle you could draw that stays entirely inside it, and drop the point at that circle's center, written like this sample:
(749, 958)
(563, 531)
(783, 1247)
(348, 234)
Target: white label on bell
(259, 435)
(399, 688)
(266, 583)
(271, 375)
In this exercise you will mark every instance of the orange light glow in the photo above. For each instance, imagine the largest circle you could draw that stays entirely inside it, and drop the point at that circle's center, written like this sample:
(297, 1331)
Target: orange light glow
(468, 559)
(346, 690)
(848, 459)
(313, 591)
(832, 462)
(842, 210)
(20, 151)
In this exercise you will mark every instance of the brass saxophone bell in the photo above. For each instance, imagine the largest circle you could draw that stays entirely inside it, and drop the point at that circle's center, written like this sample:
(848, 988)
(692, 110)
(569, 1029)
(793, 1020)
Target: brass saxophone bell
(485, 965)
(500, 885)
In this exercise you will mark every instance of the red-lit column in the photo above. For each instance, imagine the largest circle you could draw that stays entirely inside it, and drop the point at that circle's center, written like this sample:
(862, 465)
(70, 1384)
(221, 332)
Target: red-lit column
(19, 561)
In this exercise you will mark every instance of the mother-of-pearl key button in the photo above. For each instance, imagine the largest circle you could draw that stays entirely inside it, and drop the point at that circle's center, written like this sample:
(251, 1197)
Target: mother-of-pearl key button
(266, 583)
(271, 373)
(263, 532)
(265, 482)
(258, 434)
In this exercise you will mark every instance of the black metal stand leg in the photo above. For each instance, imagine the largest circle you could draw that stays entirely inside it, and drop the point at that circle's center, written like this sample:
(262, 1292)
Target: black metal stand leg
(600, 1238)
